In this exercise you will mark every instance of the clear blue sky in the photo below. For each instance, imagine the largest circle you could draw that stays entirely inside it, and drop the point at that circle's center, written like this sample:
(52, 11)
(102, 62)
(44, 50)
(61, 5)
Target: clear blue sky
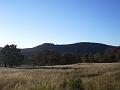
(28, 23)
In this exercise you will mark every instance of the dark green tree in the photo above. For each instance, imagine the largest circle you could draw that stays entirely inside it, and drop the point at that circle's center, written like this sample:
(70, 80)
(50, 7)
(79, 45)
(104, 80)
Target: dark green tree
(85, 58)
(69, 59)
(11, 56)
(46, 57)
(99, 58)
(112, 55)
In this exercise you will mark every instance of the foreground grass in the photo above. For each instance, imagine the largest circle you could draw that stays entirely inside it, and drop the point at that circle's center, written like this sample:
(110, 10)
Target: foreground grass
(68, 77)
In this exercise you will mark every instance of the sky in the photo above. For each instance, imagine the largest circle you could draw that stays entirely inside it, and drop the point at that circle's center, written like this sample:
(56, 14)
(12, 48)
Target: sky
(28, 23)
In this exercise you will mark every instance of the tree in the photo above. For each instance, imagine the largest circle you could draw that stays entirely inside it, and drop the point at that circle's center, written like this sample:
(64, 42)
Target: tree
(99, 58)
(11, 56)
(112, 55)
(69, 59)
(84, 58)
(46, 57)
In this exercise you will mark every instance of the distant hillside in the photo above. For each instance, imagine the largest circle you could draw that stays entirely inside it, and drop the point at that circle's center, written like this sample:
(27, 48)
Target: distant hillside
(80, 48)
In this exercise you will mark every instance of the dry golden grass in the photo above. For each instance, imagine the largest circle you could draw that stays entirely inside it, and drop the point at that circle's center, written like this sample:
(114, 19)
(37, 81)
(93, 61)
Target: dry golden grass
(94, 77)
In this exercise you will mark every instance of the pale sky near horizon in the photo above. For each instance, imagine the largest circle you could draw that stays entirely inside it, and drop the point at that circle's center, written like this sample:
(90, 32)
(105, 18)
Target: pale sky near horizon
(28, 23)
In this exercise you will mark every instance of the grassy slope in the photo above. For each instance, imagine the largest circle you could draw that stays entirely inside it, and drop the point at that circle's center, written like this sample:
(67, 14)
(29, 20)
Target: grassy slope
(94, 77)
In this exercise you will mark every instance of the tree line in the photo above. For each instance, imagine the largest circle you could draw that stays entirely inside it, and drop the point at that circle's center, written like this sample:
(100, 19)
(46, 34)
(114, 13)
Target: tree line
(51, 57)
(11, 56)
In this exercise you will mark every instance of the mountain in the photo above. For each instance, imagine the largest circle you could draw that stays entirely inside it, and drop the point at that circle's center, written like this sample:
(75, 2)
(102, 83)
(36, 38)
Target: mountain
(80, 48)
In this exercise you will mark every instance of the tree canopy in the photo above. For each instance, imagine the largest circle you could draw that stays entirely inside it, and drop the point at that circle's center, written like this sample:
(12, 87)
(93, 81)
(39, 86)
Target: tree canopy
(11, 56)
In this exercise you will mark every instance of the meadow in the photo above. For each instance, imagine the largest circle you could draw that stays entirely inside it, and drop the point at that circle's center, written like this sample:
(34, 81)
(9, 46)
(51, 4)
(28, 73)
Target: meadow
(84, 76)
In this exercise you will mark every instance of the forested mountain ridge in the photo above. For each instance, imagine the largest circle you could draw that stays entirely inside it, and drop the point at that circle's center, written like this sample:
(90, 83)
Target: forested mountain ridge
(76, 48)
(51, 54)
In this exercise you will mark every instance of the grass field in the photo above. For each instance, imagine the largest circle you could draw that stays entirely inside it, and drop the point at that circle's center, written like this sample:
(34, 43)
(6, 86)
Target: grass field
(68, 77)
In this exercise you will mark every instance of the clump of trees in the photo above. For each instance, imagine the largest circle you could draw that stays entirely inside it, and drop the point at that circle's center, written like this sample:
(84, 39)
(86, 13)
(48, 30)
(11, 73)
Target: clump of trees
(45, 57)
(51, 57)
(69, 58)
(112, 55)
(11, 56)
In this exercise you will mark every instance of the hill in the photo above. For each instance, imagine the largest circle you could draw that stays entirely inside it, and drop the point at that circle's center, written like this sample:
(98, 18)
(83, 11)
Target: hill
(79, 48)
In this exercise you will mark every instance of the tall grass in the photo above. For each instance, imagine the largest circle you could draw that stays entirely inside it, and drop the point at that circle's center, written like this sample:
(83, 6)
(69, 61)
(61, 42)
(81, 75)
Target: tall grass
(78, 77)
